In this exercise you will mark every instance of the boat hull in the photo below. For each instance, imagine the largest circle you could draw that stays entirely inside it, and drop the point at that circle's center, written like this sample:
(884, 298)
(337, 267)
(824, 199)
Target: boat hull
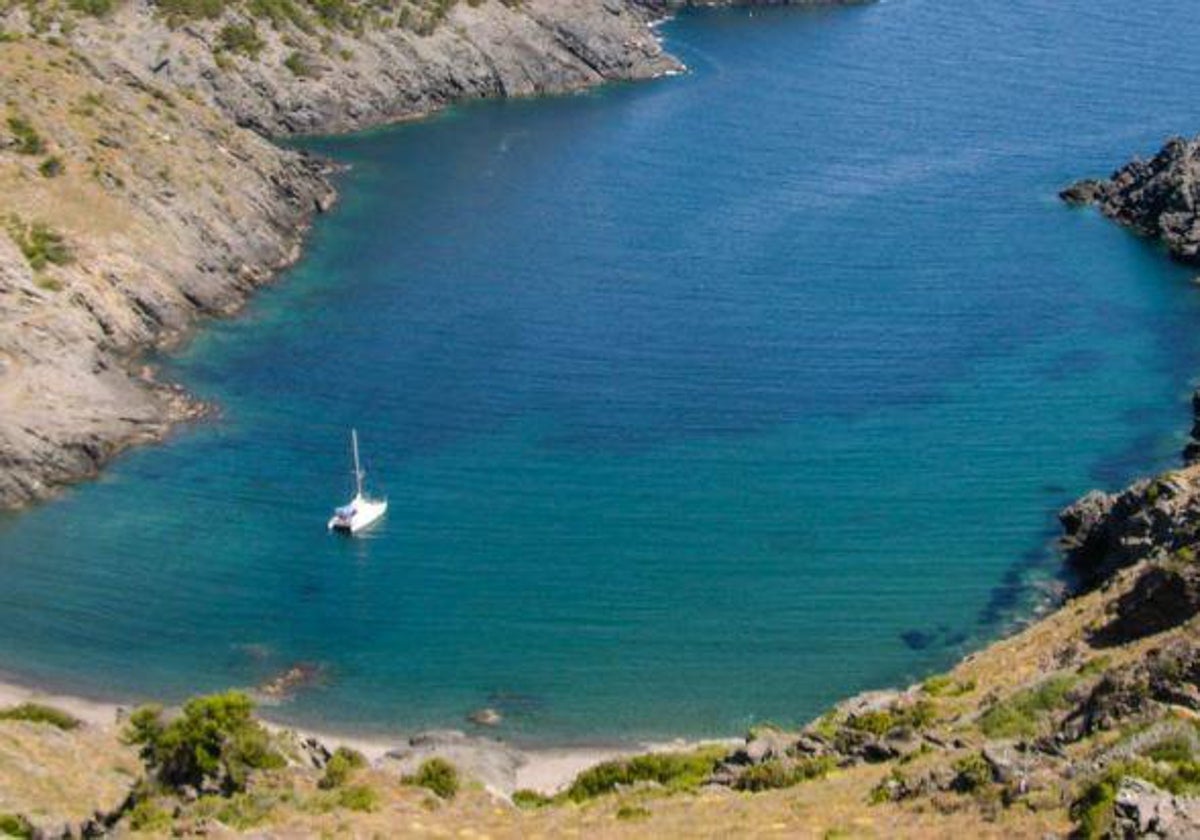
(365, 513)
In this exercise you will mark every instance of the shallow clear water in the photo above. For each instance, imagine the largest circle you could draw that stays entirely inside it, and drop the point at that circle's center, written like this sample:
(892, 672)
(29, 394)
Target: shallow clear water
(698, 402)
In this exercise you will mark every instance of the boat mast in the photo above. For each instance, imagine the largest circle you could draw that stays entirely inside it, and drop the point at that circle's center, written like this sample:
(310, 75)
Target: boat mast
(358, 473)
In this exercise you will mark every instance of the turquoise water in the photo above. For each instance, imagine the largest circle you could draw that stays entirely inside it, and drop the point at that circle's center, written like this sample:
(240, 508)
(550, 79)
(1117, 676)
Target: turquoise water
(698, 402)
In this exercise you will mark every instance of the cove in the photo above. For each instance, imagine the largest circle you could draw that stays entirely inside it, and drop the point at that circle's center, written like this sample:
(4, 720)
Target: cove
(698, 402)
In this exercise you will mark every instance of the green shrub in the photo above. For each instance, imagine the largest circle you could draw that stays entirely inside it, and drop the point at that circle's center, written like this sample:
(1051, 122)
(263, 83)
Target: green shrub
(95, 8)
(215, 740)
(341, 764)
(971, 773)
(1093, 810)
(29, 142)
(148, 815)
(676, 771)
(52, 167)
(1175, 750)
(37, 713)
(359, 798)
(298, 64)
(880, 722)
(528, 799)
(437, 775)
(632, 812)
(240, 38)
(1018, 716)
(239, 811)
(774, 774)
(40, 244)
(180, 11)
(1094, 666)
(942, 685)
(14, 825)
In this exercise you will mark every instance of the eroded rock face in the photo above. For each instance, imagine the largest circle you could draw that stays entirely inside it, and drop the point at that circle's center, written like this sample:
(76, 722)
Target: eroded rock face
(1167, 676)
(1163, 598)
(1152, 518)
(1143, 810)
(1156, 198)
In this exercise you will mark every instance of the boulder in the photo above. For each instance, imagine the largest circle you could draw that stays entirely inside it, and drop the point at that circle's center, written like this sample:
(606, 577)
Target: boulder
(1087, 191)
(1143, 810)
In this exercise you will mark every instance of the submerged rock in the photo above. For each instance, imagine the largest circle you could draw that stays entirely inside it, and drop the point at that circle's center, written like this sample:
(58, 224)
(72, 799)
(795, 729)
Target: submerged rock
(298, 676)
(485, 717)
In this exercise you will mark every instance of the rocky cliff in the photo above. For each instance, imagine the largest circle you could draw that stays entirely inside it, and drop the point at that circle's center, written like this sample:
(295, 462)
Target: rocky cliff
(140, 192)
(1156, 198)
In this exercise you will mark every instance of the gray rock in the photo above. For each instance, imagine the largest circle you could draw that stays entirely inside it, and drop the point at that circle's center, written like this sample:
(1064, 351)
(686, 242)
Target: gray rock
(489, 761)
(1143, 810)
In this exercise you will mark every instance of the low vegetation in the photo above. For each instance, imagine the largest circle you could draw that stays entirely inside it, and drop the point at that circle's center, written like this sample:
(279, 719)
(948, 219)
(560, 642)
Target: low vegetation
(26, 139)
(37, 713)
(1019, 716)
(41, 244)
(675, 771)
(882, 721)
(436, 775)
(340, 767)
(777, 773)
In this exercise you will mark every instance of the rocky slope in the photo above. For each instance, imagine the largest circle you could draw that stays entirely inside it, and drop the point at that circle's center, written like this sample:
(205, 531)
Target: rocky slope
(140, 193)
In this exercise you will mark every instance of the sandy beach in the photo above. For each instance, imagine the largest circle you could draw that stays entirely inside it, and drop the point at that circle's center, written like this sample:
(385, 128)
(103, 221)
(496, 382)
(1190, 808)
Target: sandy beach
(501, 767)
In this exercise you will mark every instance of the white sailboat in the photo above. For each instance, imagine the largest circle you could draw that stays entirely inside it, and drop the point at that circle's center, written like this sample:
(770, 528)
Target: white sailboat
(362, 511)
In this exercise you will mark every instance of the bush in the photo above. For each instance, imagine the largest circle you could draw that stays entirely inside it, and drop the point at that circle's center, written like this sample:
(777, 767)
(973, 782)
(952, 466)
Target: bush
(215, 742)
(359, 798)
(917, 716)
(298, 64)
(240, 811)
(95, 8)
(971, 773)
(677, 771)
(29, 142)
(14, 825)
(632, 812)
(40, 245)
(437, 775)
(528, 799)
(775, 774)
(943, 685)
(341, 764)
(240, 38)
(148, 815)
(1093, 810)
(37, 713)
(52, 167)
(1018, 716)
(181, 11)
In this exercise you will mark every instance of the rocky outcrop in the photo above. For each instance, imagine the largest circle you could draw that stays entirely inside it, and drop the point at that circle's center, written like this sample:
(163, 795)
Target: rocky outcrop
(1167, 677)
(1143, 810)
(1157, 198)
(1151, 518)
(1164, 597)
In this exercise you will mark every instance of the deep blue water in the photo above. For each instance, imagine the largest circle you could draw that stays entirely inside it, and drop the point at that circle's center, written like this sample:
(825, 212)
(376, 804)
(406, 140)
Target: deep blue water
(698, 402)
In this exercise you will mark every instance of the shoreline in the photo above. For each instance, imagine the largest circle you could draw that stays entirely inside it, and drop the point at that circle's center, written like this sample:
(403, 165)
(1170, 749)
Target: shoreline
(501, 766)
